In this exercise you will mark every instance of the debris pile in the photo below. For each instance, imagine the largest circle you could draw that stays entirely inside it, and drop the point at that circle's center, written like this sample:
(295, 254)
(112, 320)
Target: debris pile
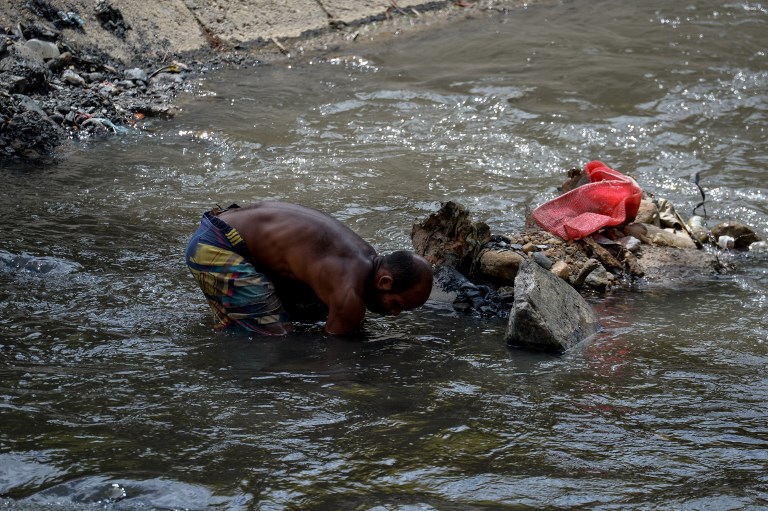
(657, 246)
(52, 91)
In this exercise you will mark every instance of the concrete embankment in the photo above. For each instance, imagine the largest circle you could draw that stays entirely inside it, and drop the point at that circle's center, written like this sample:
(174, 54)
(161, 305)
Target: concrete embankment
(72, 68)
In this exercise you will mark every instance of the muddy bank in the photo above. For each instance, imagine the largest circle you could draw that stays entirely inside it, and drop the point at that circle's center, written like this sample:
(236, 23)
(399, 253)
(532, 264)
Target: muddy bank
(79, 68)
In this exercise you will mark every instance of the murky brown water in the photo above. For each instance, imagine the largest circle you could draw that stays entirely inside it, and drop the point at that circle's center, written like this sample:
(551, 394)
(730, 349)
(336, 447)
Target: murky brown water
(110, 374)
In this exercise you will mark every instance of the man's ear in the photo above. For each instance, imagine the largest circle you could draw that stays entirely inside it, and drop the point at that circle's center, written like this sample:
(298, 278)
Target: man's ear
(384, 281)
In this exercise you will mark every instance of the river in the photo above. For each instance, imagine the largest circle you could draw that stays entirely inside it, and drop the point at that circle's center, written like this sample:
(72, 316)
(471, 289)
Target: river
(116, 394)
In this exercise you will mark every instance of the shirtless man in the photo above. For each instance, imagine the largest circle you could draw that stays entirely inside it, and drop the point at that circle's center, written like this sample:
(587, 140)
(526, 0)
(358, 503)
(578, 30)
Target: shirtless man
(259, 265)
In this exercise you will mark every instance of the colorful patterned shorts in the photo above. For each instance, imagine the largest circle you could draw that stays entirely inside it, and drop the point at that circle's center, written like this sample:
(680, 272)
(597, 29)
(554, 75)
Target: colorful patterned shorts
(238, 294)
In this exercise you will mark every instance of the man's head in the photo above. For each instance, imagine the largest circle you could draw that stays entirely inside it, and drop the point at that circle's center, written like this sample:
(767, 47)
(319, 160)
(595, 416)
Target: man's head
(403, 281)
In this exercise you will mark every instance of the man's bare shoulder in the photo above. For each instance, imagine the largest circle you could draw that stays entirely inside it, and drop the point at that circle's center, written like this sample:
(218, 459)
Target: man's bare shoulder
(280, 230)
(283, 211)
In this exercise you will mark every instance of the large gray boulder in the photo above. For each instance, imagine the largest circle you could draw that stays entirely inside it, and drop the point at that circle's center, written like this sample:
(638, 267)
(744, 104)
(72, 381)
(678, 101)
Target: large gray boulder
(548, 314)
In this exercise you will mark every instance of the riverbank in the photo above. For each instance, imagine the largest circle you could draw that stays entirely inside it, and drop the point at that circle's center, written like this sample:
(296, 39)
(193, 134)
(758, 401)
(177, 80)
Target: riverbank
(78, 69)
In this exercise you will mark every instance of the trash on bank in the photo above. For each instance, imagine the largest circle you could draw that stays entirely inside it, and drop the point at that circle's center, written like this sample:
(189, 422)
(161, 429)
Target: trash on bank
(609, 198)
(637, 240)
(52, 91)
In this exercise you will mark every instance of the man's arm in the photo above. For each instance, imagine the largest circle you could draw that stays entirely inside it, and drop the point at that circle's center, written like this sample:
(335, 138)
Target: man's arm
(346, 312)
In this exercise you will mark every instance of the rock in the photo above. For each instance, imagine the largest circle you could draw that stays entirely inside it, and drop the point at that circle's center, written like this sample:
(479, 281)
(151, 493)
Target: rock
(72, 78)
(447, 283)
(630, 243)
(648, 213)
(542, 260)
(670, 266)
(500, 264)
(33, 135)
(44, 49)
(111, 19)
(599, 279)
(561, 269)
(58, 63)
(742, 235)
(27, 104)
(466, 297)
(579, 278)
(638, 230)
(136, 74)
(28, 69)
(60, 18)
(547, 314)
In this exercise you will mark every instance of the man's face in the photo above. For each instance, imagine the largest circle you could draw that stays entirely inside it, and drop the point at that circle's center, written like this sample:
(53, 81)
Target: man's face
(388, 303)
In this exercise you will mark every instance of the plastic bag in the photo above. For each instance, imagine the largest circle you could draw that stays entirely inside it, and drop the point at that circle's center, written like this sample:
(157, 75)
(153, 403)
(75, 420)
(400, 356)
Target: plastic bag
(610, 198)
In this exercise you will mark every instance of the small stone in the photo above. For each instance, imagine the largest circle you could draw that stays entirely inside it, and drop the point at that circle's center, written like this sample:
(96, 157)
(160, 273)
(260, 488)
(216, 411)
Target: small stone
(529, 247)
(599, 278)
(60, 62)
(630, 243)
(648, 213)
(561, 269)
(500, 264)
(44, 49)
(94, 77)
(542, 260)
(136, 74)
(107, 90)
(72, 78)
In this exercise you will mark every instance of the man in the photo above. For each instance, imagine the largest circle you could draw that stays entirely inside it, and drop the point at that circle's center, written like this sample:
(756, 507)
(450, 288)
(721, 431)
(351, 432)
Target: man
(262, 264)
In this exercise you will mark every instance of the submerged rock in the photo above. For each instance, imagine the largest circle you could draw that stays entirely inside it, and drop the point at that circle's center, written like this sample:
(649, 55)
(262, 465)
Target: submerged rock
(671, 267)
(742, 235)
(547, 314)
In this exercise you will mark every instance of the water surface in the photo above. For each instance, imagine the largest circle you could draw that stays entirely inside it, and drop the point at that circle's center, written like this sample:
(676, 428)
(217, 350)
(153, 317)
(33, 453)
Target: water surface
(110, 373)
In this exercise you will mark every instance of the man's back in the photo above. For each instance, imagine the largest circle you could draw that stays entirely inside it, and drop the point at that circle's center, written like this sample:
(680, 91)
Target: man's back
(309, 247)
(285, 239)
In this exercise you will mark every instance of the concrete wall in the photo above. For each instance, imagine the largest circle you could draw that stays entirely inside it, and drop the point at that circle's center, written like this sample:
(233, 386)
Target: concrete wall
(159, 27)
